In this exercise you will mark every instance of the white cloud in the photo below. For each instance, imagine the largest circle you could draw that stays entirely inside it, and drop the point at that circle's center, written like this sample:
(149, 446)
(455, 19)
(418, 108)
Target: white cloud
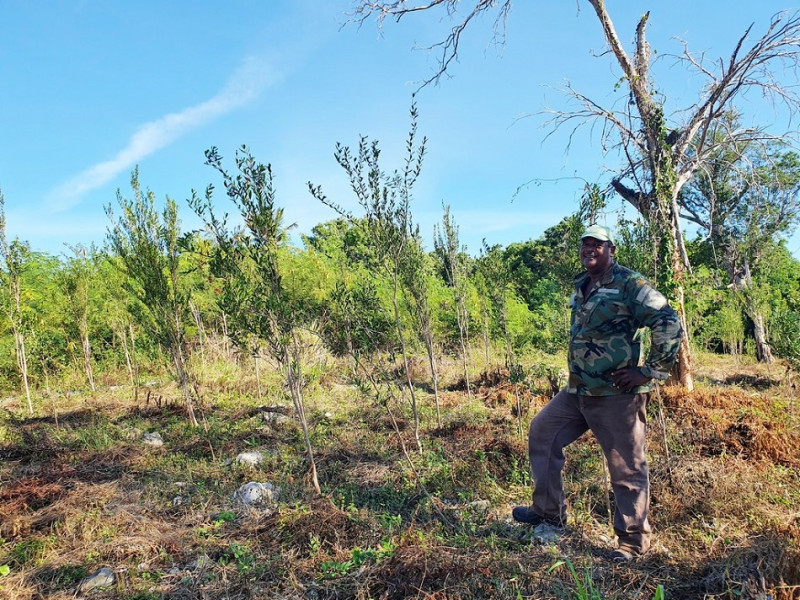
(243, 86)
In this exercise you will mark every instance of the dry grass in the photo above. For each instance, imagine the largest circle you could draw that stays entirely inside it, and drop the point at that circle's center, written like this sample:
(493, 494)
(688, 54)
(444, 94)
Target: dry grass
(87, 493)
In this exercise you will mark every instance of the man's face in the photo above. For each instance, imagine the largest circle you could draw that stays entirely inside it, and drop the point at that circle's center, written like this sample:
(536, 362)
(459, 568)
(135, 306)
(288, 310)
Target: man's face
(596, 255)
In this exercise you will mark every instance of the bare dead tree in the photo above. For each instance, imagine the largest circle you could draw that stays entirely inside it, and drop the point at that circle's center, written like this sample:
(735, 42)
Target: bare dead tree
(661, 154)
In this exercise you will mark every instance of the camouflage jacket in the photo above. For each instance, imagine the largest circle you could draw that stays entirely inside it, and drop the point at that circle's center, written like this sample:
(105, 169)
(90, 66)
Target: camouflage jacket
(605, 332)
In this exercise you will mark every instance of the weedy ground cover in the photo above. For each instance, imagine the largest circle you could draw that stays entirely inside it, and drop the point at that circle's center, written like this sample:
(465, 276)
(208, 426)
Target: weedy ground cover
(79, 491)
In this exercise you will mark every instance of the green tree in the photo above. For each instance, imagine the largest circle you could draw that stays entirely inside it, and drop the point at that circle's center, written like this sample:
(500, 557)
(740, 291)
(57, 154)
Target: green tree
(149, 253)
(77, 277)
(744, 199)
(15, 257)
(119, 310)
(417, 275)
(386, 201)
(542, 274)
(255, 294)
(47, 345)
(453, 259)
(497, 274)
(553, 256)
(782, 273)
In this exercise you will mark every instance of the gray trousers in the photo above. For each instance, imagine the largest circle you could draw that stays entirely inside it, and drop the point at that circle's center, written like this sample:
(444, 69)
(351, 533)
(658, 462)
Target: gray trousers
(619, 424)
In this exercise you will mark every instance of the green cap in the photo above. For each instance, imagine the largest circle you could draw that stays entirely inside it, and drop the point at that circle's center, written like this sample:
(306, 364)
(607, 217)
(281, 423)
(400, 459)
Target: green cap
(599, 232)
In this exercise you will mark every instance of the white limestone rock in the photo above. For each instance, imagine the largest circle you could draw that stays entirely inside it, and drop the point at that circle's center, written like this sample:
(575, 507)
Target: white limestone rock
(101, 578)
(256, 493)
(249, 459)
(547, 534)
(153, 439)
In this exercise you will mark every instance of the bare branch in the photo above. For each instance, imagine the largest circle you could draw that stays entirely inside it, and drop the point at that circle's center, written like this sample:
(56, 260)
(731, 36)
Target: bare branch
(636, 199)
(448, 47)
(779, 46)
(590, 111)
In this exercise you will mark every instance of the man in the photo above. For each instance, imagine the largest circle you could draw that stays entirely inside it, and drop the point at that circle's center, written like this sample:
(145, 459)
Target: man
(607, 391)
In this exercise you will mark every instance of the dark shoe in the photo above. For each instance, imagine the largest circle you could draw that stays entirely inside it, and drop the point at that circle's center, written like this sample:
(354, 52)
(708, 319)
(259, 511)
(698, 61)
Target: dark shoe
(525, 514)
(623, 555)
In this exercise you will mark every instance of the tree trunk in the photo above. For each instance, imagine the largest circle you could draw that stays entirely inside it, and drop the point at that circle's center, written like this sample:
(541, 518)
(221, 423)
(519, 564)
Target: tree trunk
(183, 378)
(434, 374)
(87, 355)
(463, 338)
(404, 354)
(293, 376)
(258, 375)
(22, 362)
(225, 338)
(123, 338)
(46, 378)
(504, 324)
(763, 350)
(201, 334)
(683, 370)
(134, 364)
(658, 204)
(485, 334)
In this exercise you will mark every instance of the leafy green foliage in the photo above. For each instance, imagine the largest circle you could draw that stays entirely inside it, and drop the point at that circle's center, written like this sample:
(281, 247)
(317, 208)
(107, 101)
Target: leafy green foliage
(147, 245)
(388, 225)
(247, 259)
(356, 323)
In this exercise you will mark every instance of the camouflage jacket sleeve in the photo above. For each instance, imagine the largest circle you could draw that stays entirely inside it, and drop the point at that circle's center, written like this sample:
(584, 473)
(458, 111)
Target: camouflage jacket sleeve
(651, 310)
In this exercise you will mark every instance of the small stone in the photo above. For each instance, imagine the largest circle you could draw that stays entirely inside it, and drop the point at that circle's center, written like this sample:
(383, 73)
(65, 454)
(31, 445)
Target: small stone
(177, 501)
(249, 459)
(275, 418)
(200, 563)
(153, 439)
(256, 493)
(102, 578)
(481, 506)
(547, 534)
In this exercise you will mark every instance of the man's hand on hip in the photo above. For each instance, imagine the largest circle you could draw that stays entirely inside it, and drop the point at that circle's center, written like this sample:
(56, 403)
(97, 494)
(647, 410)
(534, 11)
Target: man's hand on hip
(629, 378)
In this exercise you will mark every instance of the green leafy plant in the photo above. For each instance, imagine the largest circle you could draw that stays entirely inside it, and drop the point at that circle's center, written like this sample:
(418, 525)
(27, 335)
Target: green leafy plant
(30, 551)
(149, 253)
(584, 586)
(255, 292)
(386, 201)
(239, 555)
(358, 557)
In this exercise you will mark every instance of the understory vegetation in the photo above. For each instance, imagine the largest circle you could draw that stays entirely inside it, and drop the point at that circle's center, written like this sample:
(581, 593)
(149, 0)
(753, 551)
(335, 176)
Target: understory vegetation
(80, 491)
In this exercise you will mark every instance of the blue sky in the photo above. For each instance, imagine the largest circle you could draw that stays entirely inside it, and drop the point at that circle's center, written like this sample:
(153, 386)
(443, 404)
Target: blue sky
(91, 89)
